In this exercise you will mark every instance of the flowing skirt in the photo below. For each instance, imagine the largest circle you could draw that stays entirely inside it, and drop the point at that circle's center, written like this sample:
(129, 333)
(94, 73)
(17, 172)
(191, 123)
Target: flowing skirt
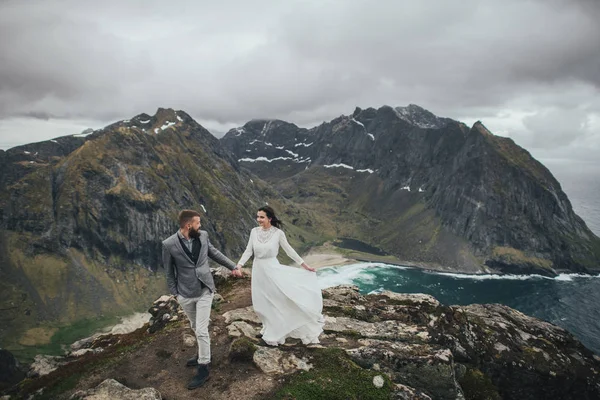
(288, 302)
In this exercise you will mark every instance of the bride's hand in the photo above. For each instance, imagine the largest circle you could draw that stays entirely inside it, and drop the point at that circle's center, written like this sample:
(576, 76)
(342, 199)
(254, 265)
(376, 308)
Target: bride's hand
(237, 271)
(306, 267)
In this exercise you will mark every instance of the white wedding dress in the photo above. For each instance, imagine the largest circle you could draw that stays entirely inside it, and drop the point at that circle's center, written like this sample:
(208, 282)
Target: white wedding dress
(287, 300)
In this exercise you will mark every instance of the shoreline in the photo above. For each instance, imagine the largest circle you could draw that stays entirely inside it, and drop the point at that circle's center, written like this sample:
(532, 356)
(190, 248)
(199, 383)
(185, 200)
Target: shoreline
(319, 258)
(328, 255)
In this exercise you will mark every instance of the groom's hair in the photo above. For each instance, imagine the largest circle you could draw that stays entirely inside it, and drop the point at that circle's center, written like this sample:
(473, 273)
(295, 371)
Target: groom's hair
(186, 216)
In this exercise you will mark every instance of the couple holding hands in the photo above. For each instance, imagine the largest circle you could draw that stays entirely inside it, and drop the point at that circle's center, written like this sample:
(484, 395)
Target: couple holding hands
(287, 300)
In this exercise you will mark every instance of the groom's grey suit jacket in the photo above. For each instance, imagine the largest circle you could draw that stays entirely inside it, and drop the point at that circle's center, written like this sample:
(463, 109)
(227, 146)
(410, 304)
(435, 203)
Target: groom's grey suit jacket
(181, 270)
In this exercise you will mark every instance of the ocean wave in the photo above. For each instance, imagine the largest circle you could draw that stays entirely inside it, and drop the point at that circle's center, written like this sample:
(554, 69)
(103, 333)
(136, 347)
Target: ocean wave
(369, 273)
(511, 277)
(352, 274)
(569, 277)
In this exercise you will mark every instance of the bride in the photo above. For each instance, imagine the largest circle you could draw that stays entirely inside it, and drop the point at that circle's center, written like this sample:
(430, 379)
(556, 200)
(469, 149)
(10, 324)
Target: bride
(287, 300)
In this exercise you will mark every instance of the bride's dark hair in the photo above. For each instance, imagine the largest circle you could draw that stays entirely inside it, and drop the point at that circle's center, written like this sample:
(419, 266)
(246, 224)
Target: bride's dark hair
(276, 222)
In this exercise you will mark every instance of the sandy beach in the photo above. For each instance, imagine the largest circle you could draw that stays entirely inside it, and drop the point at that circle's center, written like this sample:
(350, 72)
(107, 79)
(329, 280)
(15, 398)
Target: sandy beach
(326, 256)
(323, 260)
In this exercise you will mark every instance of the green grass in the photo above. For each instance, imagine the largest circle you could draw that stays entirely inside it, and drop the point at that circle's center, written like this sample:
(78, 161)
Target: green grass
(242, 349)
(334, 377)
(65, 336)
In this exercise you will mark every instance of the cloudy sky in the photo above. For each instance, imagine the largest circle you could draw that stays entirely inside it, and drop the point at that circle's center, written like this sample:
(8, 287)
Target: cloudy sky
(529, 69)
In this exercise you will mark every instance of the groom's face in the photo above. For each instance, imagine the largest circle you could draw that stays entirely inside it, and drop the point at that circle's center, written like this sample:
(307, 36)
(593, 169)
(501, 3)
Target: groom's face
(194, 228)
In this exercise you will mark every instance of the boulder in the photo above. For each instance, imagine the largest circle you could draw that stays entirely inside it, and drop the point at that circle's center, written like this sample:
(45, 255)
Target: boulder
(110, 389)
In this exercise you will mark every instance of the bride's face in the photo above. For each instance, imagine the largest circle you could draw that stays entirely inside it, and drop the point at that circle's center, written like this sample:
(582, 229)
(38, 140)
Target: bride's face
(263, 221)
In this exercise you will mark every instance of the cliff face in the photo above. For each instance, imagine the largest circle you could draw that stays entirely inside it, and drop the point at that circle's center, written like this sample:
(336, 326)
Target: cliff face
(425, 188)
(83, 217)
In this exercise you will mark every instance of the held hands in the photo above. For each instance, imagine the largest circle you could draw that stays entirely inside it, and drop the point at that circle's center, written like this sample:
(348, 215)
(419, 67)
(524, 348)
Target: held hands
(237, 272)
(307, 267)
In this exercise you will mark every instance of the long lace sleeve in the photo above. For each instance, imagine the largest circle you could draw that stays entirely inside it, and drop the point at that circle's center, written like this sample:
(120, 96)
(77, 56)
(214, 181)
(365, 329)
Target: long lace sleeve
(248, 253)
(288, 249)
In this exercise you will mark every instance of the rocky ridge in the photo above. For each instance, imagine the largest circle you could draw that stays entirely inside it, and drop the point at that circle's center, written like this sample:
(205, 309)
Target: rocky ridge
(387, 345)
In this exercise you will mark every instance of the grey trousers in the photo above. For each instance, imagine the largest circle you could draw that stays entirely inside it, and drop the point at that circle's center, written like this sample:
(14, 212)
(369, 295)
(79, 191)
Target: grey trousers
(197, 310)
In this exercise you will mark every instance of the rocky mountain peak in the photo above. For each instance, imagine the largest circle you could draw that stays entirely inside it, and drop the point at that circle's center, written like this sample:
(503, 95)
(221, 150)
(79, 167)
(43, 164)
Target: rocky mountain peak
(480, 127)
(169, 116)
(418, 116)
(262, 127)
(163, 119)
(86, 131)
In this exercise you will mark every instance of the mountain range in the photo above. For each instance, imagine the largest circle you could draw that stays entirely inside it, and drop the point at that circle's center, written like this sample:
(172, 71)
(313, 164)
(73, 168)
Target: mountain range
(82, 216)
(429, 190)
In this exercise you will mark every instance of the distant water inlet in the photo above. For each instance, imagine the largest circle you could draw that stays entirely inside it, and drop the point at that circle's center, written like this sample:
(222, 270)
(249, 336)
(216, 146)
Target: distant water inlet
(570, 301)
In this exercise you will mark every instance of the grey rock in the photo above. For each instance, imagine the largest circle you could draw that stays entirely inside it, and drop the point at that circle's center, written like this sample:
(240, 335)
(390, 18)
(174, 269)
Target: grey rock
(417, 299)
(425, 367)
(84, 343)
(81, 352)
(217, 298)
(403, 392)
(43, 365)
(384, 329)
(163, 311)
(238, 328)
(273, 361)
(378, 381)
(189, 340)
(342, 295)
(242, 314)
(111, 389)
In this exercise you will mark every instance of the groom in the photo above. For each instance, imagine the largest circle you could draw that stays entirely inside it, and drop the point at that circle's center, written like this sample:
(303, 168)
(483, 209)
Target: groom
(185, 258)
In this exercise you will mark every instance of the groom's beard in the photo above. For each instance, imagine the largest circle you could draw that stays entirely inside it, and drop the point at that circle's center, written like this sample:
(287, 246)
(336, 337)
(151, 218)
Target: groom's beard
(194, 234)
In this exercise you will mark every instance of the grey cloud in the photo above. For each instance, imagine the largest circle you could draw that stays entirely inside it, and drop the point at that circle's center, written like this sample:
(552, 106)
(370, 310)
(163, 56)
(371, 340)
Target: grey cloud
(53, 62)
(556, 128)
(38, 115)
(302, 61)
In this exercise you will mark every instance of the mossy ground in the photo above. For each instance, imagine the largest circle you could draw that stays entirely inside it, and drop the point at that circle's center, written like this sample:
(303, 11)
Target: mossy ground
(512, 255)
(478, 386)
(333, 377)
(242, 349)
